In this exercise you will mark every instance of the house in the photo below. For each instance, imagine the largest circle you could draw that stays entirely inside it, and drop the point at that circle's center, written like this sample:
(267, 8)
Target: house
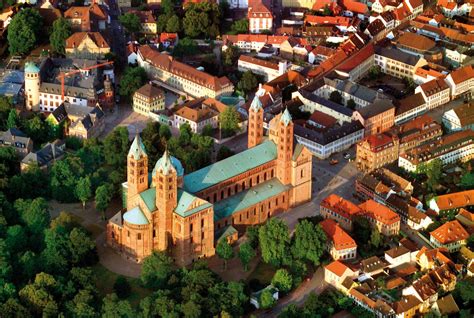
(269, 70)
(407, 307)
(252, 42)
(169, 39)
(43, 158)
(417, 220)
(450, 235)
(86, 19)
(429, 259)
(426, 73)
(459, 118)
(295, 48)
(377, 117)
(148, 98)
(339, 244)
(132, 51)
(452, 201)
(381, 217)
(372, 266)
(435, 92)
(416, 44)
(255, 297)
(336, 273)
(339, 209)
(458, 146)
(396, 62)
(445, 306)
(461, 81)
(354, 8)
(466, 218)
(425, 290)
(319, 54)
(199, 113)
(147, 21)
(416, 132)
(86, 45)
(409, 107)
(15, 138)
(397, 256)
(376, 151)
(260, 17)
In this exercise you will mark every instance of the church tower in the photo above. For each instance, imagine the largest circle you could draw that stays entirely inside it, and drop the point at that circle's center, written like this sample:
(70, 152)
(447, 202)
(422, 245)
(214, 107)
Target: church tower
(108, 93)
(32, 86)
(165, 178)
(255, 122)
(285, 147)
(137, 168)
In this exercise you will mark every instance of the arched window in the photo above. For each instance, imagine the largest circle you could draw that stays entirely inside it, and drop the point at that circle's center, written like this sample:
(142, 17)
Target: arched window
(258, 179)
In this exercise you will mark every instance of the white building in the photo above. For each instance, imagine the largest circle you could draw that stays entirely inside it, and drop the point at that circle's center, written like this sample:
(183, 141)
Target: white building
(397, 256)
(461, 81)
(461, 118)
(435, 92)
(260, 18)
(397, 63)
(268, 69)
(450, 235)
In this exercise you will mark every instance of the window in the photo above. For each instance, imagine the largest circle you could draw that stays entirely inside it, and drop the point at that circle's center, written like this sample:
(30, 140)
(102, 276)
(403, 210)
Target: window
(191, 228)
(139, 236)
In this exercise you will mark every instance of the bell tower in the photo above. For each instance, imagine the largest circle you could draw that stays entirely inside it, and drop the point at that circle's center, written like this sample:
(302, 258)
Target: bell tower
(165, 179)
(255, 122)
(285, 147)
(137, 168)
(32, 86)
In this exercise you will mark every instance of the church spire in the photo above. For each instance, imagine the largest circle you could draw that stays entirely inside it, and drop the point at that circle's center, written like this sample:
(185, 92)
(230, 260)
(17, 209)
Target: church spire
(286, 118)
(164, 164)
(137, 150)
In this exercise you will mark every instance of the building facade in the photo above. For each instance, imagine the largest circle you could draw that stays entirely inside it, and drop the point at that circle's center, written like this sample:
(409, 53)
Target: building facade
(435, 92)
(339, 209)
(180, 213)
(376, 151)
(260, 17)
(339, 244)
(451, 235)
(381, 217)
(148, 98)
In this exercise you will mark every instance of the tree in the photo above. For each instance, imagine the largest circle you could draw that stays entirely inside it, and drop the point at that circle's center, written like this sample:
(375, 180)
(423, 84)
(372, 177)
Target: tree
(83, 190)
(131, 22)
(39, 294)
(167, 6)
(464, 291)
(61, 31)
(122, 287)
(224, 152)
(185, 47)
(374, 72)
(103, 196)
(132, 79)
(336, 97)
(240, 26)
(224, 251)
(191, 310)
(24, 31)
(327, 10)
(274, 240)
(362, 230)
(64, 176)
(266, 299)
(282, 280)
(247, 83)
(467, 181)
(173, 25)
(351, 104)
(308, 242)
(470, 242)
(230, 55)
(165, 132)
(207, 130)
(12, 120)
(375, 238)
(113, 307)
(156, 270)
(35, 215)
(229, 121)
(433, 173)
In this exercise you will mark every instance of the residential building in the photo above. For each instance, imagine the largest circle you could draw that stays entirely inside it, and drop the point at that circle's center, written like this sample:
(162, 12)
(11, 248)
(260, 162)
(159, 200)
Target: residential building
(397, 63)
(416, 132)
(311, 102)
(452, 202)
(409, 107)
(148, 98)
(373, 266)
(461, 81)
(252, 42)
(86, 45)
(397, 256)
(339, 209)
(459, 118)
(269, 70)
(458, 146)
(132, 51)
(376, 151)
(15, 138)
(407, 307)
(43, 158)
(377, 117)
(381, 217)
(295, 48)
(450, 235)
(260, 17)
(319, 54)
(466, 218)
(430, 259)
(182, 77)
(199, 113)
(416, 44)
(340, 245)
(426, 73)
(336, 273)
(147, 21)
(435, 92)
(425, 290)
(445, 306)
(87, 19)
(181, 213)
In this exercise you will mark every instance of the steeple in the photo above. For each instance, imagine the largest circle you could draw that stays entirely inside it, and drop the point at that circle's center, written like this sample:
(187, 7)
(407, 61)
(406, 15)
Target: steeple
(286, 118)
(255, 121)
(285, 147)
(137, 168)
(137, 150)
(164, 164)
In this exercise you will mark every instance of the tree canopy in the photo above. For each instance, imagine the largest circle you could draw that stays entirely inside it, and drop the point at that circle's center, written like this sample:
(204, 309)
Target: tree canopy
(61, 31)
(131, 22)
(274, 240)
(24, 31)
(132, 79)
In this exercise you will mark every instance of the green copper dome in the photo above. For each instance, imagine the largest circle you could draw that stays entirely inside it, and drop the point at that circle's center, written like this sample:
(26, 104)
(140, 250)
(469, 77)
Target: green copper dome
(135, 216)
(286, 117)
(31, 67)
(166, 163)
(137, 150)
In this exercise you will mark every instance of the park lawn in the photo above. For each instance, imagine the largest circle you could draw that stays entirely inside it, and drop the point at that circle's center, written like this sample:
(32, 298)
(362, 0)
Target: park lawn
(105, 280)
(263, 272)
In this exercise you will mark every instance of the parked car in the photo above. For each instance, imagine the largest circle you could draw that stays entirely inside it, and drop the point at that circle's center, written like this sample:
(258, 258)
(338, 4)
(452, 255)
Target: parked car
(333, 162)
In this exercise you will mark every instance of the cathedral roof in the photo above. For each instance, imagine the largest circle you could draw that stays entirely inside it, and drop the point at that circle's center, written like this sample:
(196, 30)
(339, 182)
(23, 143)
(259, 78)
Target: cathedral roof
(166, 162)
(135, 216)
(31, 67)
(256, 104)
(137, 149)
(286, 117)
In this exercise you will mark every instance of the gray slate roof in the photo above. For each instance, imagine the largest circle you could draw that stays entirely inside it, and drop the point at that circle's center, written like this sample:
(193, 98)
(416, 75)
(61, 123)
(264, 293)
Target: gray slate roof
(15, 138)
(329, 136)
(44, 156)
(398, 55)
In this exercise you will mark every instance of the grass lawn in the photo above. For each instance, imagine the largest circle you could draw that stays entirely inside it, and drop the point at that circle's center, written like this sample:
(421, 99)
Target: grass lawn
(105, 280)
(263, 273)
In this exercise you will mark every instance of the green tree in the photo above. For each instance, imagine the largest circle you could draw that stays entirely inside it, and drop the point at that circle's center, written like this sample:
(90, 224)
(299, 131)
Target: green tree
(229, 297)
(374, 72)
(224, 251)
(116, 147)
(61, 31)
(266, 299)
(64, 176)
(161, 23)
(167, 6)
(35, 215)
(351, 104)
(282, 280)
(230, 55)
(173, 25)
(122, 287)
(191, 310)
(113, 307)
(229, 121)
(103, 196)
(467, 181)
(156, 270)
(464, 291)
(24, 31)
(362, 231)
(274, 240)
(224, 152)
(336, 97)
(165, 132)
(83, 190)
(207, 130)
(375, 238)
(16, 238)
(12, 120)
(247, 83)
(131, 22)
(12, 308)
(39, 294)
(185, 47)
(309, 242)
(434, 171)
(132, 79)
(240, 26)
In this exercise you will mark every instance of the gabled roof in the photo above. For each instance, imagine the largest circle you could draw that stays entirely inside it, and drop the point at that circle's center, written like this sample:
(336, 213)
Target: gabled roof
(340, 206)
(397, 251)
(463, 74)
(406, 304)
(77, 38)
(447, 305)
(340, 239)
(450, 232)
(455, 200)
(150, 91)
(379, 212)
(337, 268)
(434, 86)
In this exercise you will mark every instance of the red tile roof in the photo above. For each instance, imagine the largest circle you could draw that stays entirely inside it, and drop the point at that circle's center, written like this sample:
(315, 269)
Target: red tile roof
(377, 141)
(450, 232)
(337, 268)
(256, 9)
(462, 74)
(355, 6)
(316, 20)
(77, 38)
(455, 200)
(434, 86)
(337, 235)
(259, 62)
(340, 206)
(379, 212)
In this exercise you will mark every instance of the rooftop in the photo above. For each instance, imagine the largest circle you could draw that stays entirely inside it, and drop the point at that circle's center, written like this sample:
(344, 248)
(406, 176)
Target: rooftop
(397, 55)
(340, 205)
(337, 235)
(450, 232)
(378, 107)
(379, 212)
(337, 268)
(416, 41)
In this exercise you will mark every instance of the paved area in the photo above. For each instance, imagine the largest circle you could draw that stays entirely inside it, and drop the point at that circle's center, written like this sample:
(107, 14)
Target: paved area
(123, 115)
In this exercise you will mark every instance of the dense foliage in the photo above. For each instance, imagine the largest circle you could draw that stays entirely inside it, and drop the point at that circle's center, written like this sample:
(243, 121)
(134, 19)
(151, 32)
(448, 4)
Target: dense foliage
(24, 31)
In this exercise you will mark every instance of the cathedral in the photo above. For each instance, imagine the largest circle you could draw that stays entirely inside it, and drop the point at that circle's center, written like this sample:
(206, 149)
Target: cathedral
(185, 215)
